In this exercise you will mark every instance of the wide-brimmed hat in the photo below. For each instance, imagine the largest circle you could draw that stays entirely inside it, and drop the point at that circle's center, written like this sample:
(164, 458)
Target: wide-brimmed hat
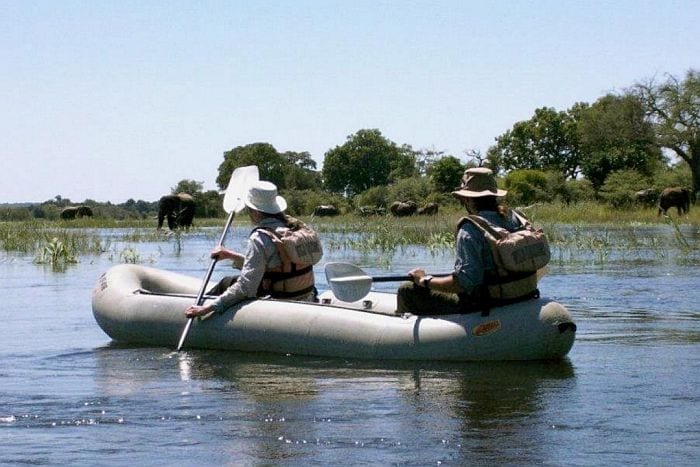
(478, 182)
(262, 196)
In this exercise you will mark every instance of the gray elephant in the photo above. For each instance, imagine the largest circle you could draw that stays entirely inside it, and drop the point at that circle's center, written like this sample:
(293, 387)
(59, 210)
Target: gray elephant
(72, 212)
(178, 209)
(325, 210)
(647, 197)
(400, 209)
(429, 209)
(676, 196)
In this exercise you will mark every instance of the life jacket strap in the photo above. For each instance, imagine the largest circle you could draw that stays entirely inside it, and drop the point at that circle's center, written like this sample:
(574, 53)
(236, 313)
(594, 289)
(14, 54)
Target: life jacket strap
(276, 276)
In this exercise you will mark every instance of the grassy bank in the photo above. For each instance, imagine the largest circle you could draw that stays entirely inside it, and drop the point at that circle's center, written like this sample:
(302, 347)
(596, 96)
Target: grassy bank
(568, 228)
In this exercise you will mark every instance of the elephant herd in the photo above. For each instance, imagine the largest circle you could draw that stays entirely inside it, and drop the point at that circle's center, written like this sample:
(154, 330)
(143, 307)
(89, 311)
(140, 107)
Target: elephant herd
(179, 208)
(673, 197)
(397, 209)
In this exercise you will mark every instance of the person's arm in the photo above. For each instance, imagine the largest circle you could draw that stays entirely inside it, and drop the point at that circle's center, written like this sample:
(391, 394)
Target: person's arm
(470, 264)
(441, 284)
(252, 271)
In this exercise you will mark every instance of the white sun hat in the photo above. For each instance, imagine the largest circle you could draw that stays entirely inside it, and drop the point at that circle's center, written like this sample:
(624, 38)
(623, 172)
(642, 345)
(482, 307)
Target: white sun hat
(262, 196)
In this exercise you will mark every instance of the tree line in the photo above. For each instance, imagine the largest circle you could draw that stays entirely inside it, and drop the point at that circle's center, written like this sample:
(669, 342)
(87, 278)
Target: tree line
(646, 136)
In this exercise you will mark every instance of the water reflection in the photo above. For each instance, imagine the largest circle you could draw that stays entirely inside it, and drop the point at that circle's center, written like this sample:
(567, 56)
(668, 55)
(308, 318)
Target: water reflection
(263, 401)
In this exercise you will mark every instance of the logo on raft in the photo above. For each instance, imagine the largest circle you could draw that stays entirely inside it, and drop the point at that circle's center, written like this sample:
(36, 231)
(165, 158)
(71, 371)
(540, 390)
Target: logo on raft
(101, 284)
(487, 328)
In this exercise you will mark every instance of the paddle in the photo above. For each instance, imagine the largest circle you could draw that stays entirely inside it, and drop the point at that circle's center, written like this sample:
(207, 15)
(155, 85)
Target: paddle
(349, 283)
(241, 178)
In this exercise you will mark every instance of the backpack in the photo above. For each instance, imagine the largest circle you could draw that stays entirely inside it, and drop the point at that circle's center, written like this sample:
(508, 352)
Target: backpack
(525, 250)
(301, 245)
(299, 248)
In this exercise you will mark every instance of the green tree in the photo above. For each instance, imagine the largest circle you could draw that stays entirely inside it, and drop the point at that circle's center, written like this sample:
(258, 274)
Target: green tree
(614, 136)
(425, 158)
(187, 186)
(673, 107)
(301, 173)
(446, 174)
(270, 163)
(288, 170)
(402, 163)
(548, 141)
(209, 204)
(365, 160)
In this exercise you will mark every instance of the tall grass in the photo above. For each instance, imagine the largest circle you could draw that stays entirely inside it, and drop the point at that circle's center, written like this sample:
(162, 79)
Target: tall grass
(587, 232)
(30, 236)
(56, 254)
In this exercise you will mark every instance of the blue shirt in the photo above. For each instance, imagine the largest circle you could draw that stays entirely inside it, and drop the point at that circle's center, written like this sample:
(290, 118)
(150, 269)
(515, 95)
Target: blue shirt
(474, 255)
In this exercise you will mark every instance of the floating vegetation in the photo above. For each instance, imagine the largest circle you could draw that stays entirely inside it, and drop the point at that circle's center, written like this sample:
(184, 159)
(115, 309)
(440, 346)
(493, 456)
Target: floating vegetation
(130, 255)
(56, 254)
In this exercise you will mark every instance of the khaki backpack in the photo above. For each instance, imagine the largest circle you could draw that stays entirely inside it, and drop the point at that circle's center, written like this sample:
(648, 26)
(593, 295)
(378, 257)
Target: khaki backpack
(525, 250)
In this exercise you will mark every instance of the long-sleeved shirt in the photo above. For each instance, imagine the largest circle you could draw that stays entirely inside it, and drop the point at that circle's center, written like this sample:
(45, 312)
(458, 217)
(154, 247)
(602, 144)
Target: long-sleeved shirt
(261, 254)
(474, 256)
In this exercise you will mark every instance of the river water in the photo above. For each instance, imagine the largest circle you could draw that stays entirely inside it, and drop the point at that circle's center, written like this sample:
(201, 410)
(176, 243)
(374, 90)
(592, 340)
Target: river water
(628, 393)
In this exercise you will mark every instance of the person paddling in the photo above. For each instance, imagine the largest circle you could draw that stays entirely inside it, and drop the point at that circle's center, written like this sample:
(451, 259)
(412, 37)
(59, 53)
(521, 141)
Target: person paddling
(278, 261)
(476, 280)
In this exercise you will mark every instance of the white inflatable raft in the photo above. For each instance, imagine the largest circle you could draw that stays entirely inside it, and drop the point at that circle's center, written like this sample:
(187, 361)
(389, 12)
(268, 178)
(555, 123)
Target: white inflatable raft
(137, 304)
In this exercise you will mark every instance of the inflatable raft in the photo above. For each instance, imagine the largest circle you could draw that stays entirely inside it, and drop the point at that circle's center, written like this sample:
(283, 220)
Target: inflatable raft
(142, 305)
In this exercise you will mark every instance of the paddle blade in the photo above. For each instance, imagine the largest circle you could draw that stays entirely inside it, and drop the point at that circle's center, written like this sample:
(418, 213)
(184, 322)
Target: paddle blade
(238, 185)
(348, 282)
(352, 288)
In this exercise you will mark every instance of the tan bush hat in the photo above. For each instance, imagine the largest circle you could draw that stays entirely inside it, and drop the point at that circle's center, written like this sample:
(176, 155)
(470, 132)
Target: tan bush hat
(478, 182)
(262, 196)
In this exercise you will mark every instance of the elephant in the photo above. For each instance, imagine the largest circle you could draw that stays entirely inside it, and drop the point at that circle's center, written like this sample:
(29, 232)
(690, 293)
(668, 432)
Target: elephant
(400, 209)
(429, 209)
(675, 196)
(647, 197)
(325, 210)
(72, 212)
(178, 209)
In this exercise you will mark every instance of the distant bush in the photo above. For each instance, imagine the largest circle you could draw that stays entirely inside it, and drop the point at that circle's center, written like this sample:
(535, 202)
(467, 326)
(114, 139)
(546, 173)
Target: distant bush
(579, 191)
(303, 202)
(416, 189)
(620, 186)
(15, 214)
(677, 176)
(375, 197)
(527, 187)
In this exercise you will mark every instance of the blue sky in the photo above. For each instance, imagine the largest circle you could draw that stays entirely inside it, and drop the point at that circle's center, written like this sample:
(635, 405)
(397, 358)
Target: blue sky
(111, 100)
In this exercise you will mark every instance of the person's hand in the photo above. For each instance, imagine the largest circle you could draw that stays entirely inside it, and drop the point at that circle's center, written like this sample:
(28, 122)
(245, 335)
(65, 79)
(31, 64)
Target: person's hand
(219, 253)
(194, 310)
(416, 274)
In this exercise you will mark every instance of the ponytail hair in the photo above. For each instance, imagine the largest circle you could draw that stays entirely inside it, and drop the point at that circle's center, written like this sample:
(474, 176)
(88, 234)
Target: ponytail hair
(490, 203)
